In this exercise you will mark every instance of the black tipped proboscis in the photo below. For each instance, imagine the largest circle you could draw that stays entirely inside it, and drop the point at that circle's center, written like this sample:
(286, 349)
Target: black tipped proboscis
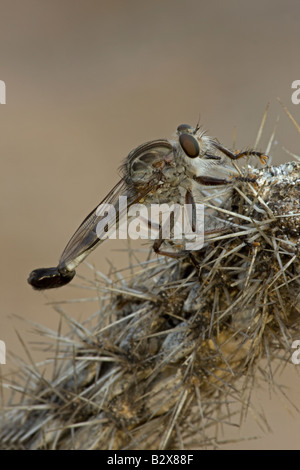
(50, 278)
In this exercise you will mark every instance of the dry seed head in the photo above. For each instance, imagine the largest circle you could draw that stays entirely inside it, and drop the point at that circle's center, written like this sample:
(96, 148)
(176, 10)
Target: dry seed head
(179, 341)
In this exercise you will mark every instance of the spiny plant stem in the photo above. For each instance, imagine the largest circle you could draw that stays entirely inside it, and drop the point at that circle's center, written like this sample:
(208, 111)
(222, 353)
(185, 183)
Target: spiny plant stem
(175, 346)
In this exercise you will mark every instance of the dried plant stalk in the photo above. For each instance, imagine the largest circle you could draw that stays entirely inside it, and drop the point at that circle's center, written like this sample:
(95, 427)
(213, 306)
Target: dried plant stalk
(171, 344)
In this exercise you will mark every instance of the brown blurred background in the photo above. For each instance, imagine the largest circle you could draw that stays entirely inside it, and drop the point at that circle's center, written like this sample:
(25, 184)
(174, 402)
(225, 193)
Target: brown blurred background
(86, 82)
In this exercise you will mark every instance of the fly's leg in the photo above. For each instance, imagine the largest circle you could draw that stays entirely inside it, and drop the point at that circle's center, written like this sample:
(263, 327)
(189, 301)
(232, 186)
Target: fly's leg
(189, 199)
(247, 153)
(194, 262)
(159, 241)
(211, 181)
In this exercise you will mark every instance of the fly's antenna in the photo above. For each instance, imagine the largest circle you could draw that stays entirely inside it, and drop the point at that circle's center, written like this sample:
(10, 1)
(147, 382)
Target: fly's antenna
(197, 128)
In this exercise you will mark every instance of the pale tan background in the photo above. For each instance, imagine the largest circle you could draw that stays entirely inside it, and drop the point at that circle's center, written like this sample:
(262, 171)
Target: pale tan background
(89, 80)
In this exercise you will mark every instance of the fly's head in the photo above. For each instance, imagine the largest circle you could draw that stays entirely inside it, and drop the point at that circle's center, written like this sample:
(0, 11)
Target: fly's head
(193, 143)
(198, 153)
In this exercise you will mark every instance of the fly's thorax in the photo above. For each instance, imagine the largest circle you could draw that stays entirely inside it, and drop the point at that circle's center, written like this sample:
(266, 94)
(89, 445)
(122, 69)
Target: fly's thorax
(148, 161)
(173, 174)
(167, 193)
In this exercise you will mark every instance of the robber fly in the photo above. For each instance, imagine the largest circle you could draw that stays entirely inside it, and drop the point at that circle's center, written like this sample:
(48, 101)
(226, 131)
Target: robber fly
(179, 170)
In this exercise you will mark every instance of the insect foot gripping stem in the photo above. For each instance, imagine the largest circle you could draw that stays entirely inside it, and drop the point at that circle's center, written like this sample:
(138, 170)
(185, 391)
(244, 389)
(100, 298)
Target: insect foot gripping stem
(50, 278)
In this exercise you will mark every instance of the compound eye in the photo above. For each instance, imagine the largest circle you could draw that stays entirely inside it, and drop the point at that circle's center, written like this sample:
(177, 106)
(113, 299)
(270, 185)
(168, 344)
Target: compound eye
(189, 145)
(185, 128)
